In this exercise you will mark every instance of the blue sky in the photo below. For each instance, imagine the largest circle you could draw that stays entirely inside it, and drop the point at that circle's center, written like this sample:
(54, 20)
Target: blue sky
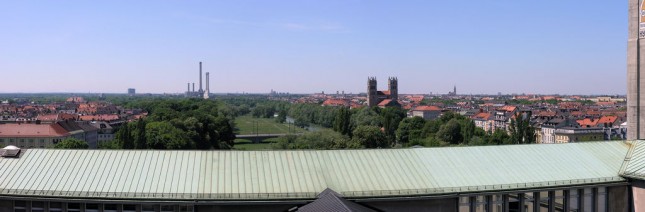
(307, 46)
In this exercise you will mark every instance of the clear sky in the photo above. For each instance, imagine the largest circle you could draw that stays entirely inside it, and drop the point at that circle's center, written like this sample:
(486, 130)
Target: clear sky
(307, 46)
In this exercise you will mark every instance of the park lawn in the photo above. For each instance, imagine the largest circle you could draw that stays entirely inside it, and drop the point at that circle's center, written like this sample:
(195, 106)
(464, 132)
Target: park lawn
(246, 125)
(241, 144)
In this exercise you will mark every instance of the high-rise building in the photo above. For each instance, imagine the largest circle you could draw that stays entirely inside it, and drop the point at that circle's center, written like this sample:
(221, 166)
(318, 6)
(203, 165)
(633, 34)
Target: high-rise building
(635, 68)
(131, 91)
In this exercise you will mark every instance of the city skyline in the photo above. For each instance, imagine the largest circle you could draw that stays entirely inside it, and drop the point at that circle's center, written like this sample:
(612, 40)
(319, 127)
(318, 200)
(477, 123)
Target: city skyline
(314, 46)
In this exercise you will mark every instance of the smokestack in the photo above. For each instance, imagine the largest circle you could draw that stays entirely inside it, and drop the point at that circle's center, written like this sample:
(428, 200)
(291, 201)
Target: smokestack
(193, 87)
(208, 89)
(200, 77)
(188, 87)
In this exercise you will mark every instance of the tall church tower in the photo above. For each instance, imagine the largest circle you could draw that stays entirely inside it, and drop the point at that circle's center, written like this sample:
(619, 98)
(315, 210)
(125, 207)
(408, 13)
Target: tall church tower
(635, 68)
(372, 95)
(393, 87)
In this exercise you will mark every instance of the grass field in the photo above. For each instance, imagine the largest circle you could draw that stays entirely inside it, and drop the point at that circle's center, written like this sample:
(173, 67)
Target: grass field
(241, 144)
(249, 125)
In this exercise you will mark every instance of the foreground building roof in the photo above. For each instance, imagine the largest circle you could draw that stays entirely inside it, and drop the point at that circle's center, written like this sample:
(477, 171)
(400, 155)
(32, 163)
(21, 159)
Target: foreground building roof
(280, 175)
(634, 166)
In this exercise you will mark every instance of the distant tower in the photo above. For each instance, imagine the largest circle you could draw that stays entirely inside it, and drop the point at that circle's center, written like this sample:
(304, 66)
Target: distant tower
(200, 78)
(372, 95)
(208, 90)
(393, 87)
(454, 90)
(636, 71)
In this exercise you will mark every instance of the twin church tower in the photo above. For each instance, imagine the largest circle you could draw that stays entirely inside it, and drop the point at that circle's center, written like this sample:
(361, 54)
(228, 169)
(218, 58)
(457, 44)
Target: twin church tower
(382, 98)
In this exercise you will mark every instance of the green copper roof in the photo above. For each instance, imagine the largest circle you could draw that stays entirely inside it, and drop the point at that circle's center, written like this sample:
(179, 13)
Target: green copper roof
(634, 165)
(263, 175)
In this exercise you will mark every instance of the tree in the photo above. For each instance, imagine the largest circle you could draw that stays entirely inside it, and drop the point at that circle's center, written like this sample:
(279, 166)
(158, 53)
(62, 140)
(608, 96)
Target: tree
(71, 143)
(450, 132)
(139, 135)
(225, 134)
(365, 117)
(282, 116)
(370, 137)
(499, 136)
(162, 135)
(410, 129)
(390, 118)
(520, 129)
(342, 122)
(124, 137)
(430, 128)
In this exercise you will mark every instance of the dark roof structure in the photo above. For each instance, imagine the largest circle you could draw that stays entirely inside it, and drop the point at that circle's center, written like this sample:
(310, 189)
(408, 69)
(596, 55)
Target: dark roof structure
(329, 200)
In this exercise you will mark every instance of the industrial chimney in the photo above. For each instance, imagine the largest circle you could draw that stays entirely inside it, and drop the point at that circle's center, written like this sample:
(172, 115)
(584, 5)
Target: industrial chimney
(200, 78)
(208, 90)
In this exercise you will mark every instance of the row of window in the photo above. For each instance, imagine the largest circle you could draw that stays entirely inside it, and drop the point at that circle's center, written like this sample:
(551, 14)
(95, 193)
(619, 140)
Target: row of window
(39, 206)
(22, 140)
(588, 199)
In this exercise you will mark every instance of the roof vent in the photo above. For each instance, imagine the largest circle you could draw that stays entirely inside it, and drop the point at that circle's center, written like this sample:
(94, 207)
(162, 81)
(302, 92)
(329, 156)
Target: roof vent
(10, 152)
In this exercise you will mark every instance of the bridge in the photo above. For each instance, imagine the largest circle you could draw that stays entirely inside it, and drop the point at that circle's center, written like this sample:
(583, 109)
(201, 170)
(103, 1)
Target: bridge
(257, 138)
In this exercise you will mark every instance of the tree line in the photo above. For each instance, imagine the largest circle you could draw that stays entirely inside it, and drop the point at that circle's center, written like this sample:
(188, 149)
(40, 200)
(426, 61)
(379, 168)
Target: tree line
(390, 127)
(179, 124)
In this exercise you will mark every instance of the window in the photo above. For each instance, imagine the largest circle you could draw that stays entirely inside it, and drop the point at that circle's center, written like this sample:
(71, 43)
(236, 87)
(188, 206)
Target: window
(480, 203)
(1, 140)
(544, 201)
(167, 208)
(129, 208)
(37, 206)
(528, 202)
(464, 204)
(559, 198)
(20, 206)
(588, 199)
(31, 140)
(74, 207)
(91, 207)
(602, 199)
(55, 206)
(110, 208)
(497, 202)
(186, 208)
(574, 201)
(147, 208)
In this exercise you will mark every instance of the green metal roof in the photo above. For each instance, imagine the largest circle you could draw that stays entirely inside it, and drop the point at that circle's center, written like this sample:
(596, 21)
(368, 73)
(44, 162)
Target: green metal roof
(268, 175)
(634, 165)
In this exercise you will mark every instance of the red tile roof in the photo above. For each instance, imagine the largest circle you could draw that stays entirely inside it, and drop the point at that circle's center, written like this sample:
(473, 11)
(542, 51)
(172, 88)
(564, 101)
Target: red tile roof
(99, 118)
(335, 102)
(482, 115)
(587, 122)
(427, 108)
(547, 113)
(32, 130)
(384, 102)
(508, 108)
(607, 119)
